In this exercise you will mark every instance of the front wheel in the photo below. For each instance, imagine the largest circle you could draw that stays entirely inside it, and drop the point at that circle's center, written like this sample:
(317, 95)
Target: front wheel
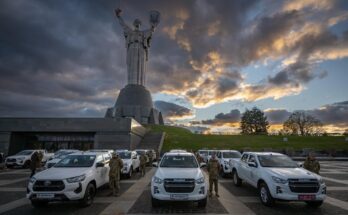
(265, 195)
(89, 195)
(155, 202)
(314, 204)
(236, 180)
(202, 203)
(38, 203)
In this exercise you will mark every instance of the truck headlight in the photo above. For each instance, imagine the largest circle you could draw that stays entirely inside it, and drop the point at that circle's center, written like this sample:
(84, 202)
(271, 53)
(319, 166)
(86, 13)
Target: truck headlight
(321, 181)
(32, 180)
(76, 179)
(226, 162)
(157, 180)
(200, 180)
(279, 180)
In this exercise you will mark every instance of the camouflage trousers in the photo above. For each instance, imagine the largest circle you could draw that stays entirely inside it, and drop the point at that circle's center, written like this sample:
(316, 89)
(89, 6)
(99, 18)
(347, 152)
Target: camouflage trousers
(213, 183)
(114, 185)
(143, 170)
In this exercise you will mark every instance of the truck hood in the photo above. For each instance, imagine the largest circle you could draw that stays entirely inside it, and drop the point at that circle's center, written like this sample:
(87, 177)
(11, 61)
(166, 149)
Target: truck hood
(163, 173)
(287, 173)
(60, 173)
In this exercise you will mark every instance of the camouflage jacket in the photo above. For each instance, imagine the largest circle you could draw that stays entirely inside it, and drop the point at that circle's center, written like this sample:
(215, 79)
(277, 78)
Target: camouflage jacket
(312, 165)
(143, 160)
(116, 164)
(213, 168)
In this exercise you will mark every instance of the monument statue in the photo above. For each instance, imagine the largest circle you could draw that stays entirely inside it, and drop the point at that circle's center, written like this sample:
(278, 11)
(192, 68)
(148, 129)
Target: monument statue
(137, 44)
(134, 100)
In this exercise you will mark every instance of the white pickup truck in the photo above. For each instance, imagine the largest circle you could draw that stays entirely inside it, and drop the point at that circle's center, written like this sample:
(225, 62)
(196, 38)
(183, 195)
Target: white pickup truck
(76, 177)
(227, 159)
(278, 177)
(23, 158)
(130, 160)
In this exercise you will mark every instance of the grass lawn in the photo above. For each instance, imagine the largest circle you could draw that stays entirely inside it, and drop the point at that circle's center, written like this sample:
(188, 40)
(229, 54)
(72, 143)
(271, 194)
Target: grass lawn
(180, 138)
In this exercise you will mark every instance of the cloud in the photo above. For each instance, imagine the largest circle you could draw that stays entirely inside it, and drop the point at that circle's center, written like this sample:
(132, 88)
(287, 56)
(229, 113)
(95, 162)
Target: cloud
(229, 118)
(173, 111)
(332, 114)
(74, 51)
(277, 116)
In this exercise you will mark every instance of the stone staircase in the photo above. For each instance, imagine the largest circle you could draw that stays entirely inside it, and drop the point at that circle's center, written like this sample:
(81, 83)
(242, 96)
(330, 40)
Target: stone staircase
(152, 140)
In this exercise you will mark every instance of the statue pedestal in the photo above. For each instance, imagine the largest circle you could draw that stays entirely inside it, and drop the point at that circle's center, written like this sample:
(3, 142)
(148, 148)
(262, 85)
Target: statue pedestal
(135, 101)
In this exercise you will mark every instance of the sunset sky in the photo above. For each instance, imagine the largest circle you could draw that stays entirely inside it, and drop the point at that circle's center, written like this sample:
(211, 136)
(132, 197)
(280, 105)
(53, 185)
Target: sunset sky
(209, 60)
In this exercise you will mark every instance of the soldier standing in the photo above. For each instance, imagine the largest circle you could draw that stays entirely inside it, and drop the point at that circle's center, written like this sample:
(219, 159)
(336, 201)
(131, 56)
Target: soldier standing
(311, 163)
(150, 158)
(116, 164)
(34, 162)
(213, 169)
(142, 164)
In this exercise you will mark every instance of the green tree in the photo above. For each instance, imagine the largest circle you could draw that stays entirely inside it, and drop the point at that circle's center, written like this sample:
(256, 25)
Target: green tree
(300, 123)
(254, 121)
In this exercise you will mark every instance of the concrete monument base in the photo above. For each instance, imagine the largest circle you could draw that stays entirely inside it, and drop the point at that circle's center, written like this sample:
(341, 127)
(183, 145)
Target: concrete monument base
(135, 101)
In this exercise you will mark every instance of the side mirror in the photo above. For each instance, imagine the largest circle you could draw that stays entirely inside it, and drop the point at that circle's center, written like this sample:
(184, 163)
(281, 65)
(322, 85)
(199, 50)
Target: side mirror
(299, 164)
(100, 165)
(155, 164)
(201, 165)
(252, 164)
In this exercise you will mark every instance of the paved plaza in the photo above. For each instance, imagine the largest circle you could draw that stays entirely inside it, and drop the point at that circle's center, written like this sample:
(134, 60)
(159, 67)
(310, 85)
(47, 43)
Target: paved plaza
(136, 197)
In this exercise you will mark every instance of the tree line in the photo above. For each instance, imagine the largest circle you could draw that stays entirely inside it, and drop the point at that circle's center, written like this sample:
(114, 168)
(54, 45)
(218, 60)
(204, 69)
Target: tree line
(255, 121)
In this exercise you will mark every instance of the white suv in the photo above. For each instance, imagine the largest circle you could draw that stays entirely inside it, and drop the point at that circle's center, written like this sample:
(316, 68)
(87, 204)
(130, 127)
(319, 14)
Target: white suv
(276, 176)
(131, 162)
(23, 158)
(179, 178)
(76, 177)
(227, 158)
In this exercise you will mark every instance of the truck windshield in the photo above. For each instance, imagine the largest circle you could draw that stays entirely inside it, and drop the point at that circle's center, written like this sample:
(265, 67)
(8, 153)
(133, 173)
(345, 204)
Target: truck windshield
(231, 155)
(25, 152)
(179, 161)
(276, 161)
(125, 155)
(76, 161)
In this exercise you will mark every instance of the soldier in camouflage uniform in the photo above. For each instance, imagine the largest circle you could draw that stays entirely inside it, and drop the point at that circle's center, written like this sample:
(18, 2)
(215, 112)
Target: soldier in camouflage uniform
(311, 163)
(116, 164)
(150, 158)
(34, 162)
(143, 164)
(213, 169)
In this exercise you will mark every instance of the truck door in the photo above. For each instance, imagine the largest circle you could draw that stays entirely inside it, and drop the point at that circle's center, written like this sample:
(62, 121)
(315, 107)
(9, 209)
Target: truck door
(243, 166)
(251, 171)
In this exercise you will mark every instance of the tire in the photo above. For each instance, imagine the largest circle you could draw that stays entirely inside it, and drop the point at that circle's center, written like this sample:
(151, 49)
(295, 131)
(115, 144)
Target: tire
(314, 204)
(129, 175)
(202, 203)
(222, 173)
(236, 180)
(89, 195)
(38, 203)
(265, 196)
(155, 202)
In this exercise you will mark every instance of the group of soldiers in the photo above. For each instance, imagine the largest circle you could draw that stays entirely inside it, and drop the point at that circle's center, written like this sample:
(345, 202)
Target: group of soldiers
(116, 165)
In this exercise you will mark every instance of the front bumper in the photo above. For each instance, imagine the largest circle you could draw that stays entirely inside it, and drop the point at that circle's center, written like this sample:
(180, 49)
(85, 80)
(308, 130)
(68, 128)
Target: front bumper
(283, 192)
(72, 191)
(199, 193)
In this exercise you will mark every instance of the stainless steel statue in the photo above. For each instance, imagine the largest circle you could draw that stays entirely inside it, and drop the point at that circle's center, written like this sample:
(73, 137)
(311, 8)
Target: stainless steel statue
(138, 44)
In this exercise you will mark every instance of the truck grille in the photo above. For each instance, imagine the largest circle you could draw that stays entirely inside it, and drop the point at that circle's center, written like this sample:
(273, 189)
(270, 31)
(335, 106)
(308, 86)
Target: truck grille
(48, 185)
(304, 185)
(182, 185)
(11, 159)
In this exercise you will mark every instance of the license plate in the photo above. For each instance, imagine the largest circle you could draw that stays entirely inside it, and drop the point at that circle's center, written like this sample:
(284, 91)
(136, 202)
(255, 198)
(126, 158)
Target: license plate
(179, 196)
(45, 196)
(306, 197)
